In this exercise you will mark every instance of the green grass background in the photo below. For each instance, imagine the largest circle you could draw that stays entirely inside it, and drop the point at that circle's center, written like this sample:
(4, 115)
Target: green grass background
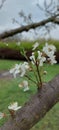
(28, 44)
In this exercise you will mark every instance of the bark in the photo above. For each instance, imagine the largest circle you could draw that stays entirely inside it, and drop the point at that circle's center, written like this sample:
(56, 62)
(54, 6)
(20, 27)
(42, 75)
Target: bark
(35, 108)
(28, 27)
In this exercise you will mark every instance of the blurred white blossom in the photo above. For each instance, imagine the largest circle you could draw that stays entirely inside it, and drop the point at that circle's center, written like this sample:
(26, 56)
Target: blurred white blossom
(24, 67)
(50, 50)
(14, 106)
(19, 69)
(32, 58)
(52, 60)
(35, 46)
(20, 85)
(44, 72)
(24, 85)
(40, 58)
(7, 44)
(15, 70)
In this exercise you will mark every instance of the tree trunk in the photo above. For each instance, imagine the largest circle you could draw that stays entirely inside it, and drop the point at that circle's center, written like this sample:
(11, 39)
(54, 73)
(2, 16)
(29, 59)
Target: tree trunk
(35, 109)
(9, 33)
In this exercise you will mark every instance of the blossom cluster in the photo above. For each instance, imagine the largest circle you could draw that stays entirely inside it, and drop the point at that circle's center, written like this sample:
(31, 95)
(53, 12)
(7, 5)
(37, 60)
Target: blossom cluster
(19, 69)
(40, 56)
(50, 50)
(37, 59)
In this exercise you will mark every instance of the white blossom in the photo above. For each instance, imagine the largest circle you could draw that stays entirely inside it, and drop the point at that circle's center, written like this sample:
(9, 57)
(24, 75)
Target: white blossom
(20, 85)
(15, 73)
(32, 58)
(52, 47)
(26, 89)
(39, 58)
(39, 55)
(49, 49)
(51, 53)
(42, 60)
(44, 72)
(12, 70)
(24, 67)
(15, 70)
(24, 85)
(35, 45)
(19, 69)
(14, 106)
(52, 60)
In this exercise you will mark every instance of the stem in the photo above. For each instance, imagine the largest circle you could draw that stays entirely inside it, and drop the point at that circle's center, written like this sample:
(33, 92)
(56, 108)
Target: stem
(39, 76)
(31, 67)
(30, 79)
(33, 71)
(35, 74)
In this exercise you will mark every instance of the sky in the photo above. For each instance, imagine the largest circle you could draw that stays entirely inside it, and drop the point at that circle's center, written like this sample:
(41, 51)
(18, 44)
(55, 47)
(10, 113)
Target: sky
(10, 10)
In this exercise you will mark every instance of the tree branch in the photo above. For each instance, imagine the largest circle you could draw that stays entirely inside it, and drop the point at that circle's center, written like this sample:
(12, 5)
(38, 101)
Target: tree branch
(28, 27)
(36, 108)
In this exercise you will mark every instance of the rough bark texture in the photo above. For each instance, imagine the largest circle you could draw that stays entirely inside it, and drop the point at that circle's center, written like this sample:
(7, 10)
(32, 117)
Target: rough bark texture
(28, 27)
(35, 108)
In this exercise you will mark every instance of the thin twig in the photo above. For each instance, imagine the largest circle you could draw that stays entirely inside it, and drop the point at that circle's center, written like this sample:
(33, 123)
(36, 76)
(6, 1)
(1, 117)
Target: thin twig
(30, 79)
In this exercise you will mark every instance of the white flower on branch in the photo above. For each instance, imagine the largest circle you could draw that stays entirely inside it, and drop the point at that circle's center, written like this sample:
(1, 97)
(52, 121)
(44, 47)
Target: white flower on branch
(24, 85)
(41, 58)
(39, 55)
(32, 58)
(20, 69)
(38, 58)
(15, 70)
(49, 49)
(14, 106)
(52, 60)
(24, 67)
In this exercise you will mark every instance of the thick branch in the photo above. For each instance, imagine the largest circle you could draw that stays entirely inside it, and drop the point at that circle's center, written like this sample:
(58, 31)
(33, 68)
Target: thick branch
(56, 21)
(28, 27)
(35, 108)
